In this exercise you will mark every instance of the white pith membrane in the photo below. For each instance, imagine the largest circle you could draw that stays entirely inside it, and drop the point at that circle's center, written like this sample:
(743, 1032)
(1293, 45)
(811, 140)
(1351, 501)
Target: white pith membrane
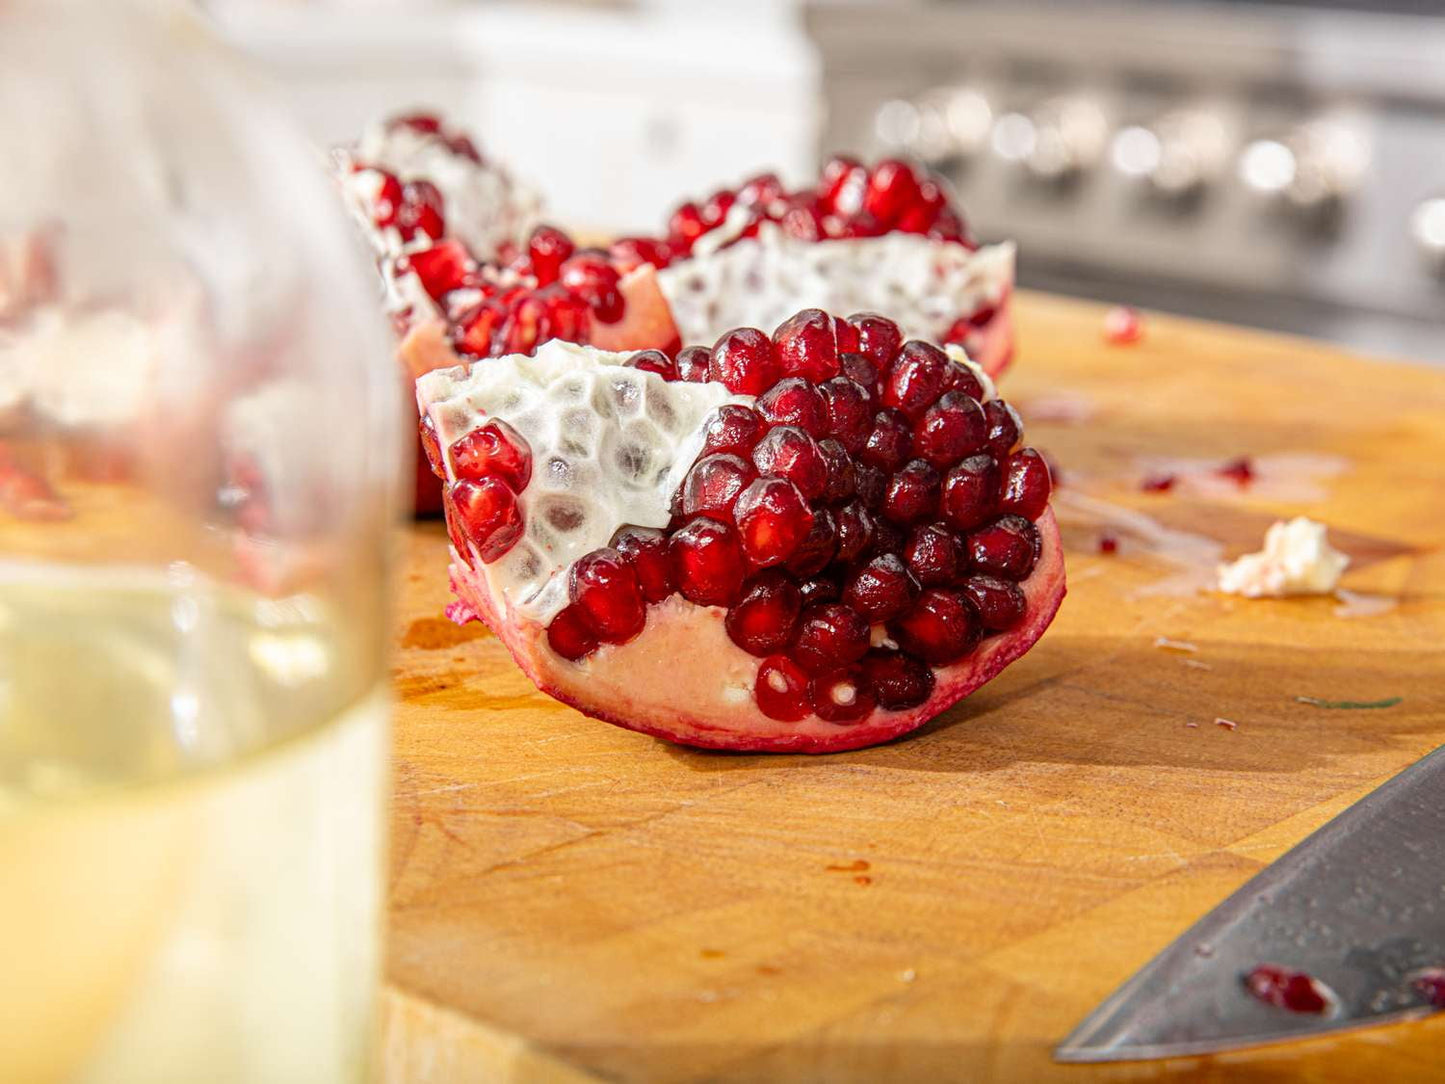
(656, 675)
(921, 284)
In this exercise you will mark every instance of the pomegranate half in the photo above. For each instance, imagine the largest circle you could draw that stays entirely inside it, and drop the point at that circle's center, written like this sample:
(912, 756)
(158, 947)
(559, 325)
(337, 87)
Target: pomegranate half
(805, 542)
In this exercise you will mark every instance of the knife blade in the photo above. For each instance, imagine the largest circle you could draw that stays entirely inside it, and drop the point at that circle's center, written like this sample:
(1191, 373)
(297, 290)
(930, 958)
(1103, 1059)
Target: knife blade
(1359, 906)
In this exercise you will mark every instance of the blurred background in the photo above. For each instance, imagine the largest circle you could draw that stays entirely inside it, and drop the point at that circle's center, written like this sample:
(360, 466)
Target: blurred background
(1274, 164)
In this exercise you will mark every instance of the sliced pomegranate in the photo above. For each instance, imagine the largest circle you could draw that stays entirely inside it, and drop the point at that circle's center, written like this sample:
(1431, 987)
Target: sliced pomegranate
(725, 582)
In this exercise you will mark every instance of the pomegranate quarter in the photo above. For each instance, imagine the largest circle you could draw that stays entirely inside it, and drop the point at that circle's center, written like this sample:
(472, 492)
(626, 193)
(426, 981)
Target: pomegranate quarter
(738, 560)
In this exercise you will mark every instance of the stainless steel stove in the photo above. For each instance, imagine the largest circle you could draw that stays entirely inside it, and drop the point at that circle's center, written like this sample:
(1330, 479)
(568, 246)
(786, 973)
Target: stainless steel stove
(1282, 166)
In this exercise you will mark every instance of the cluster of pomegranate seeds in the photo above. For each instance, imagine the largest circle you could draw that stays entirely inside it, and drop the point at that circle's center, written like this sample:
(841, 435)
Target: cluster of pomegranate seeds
(1285, 988)
(491, 466)
(863, 520)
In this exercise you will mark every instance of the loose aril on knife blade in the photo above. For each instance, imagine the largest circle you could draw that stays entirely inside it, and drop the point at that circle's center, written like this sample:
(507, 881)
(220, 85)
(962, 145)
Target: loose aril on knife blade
(751, 558)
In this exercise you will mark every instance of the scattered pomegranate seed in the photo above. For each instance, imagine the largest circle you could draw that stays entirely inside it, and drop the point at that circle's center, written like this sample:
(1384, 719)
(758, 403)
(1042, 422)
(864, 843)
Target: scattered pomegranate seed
(1286, 988)
(694, 364)
(1004, 428)
(940, 628)
(1108, 543)
(487, 513)
(830, 636)
(934, 555)
(1158, 483)
(496, 450)
(781, 690)
(707, 562)
(807, 346)
(889, 443)
(1009, 547)
(1123, 325)
(548, 248)
(818, 548)
(897, 680)
(604, 585)
(970, 492)
(645, 548)
(733, 428)
(588, 275)
(773, 519)
(1026, 484)
(919, 376)
(912, 493)
(744, 361)
(879, 338)
(713, 485)
(570, 635)
(841, 696)
(763, 620)
(1240, 469)
(653, 361)
(881, 589)
(788, 452)
(794, 401)
(953, 427)
(1000, 603)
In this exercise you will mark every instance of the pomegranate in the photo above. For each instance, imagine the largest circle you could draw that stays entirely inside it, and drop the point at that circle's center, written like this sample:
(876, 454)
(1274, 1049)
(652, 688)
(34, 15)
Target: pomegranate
(725, 561)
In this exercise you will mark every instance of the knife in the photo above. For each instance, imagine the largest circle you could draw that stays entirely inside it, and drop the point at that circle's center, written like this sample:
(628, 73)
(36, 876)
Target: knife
(1357, 911)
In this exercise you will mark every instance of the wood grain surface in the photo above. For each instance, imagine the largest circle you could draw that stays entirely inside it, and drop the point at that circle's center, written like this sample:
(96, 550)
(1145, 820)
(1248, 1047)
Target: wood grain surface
(571, 901)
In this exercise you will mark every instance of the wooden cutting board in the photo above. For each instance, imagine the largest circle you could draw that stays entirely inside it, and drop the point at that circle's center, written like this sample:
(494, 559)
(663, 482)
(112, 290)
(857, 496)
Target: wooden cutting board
(571, 901)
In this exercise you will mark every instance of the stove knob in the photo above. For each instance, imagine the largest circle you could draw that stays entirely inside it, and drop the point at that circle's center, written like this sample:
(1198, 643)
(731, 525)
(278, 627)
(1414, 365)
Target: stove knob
(944, 125)
(1312, 170)
(1176, 156)
(1427, 227)
(1055, 143)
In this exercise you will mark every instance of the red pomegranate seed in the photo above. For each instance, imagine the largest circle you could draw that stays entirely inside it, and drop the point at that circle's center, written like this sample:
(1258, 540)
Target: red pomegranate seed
(1123, 325)
(888, 537)
(496, 450)
(761, 190)
(567, 316)
(848, 408)
(444, 267)
(1009, 547)
(889, 443)
(854, 525)
(1000, 603)
(424, 123)
(717, 206)
(707, 562)
(714, 484)
(961, 378)
(892, 189)
(1285, 988)
(869, 483)
(686, 226)
(605, 586)
(843, 178)
(653, 361)
(1108, 543)
(1004, 428)
(846, 335)
(588, 275)
(694, 364)
(763, 620)
(734, 429)
(387, 201)
(970, 492)
(645, 549)
(807, 346)
(817, 549)
(548, 248)
(912, 493)
(788, 452)
(773, 519)
(863, 224)
(1026, 484)
(526, 325)
(934, 555)
(570, 635)
(878, 337)
(803, 221)
(819, 590)
(1241, 469)
(1158, 483)
(898, 681)
(950, 429)
(488, 514)
(630, 253)
(841, 696)
(477, 330)
(926, 207)
(829, 637)
(881, 589)
(794, 401)
(842, 474)
(949, 227)
(427, 430)
(782, 690)
(743, 360)
(860, 369)
(940, 628)
(919, 376)
(1430, 983)
(420, 210)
